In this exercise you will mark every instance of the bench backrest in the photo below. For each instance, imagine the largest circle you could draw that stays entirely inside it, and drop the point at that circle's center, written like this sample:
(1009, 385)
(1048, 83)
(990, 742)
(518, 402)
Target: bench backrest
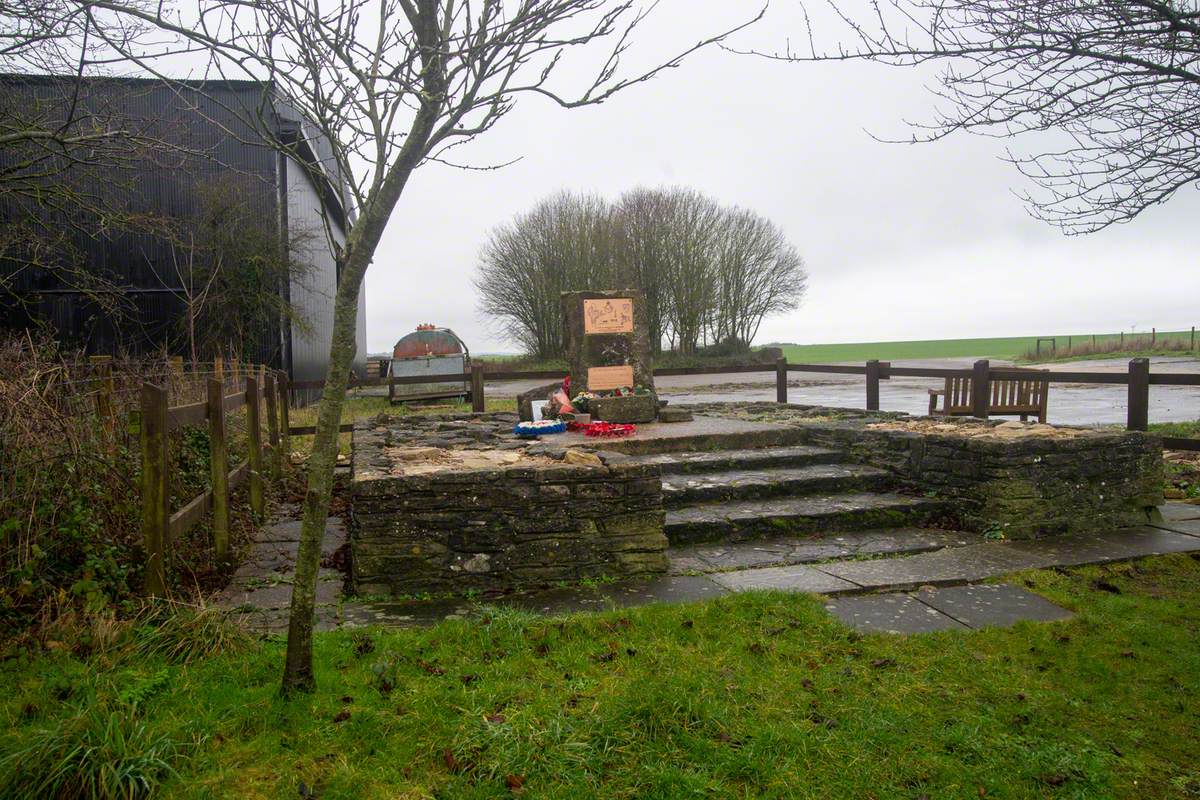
(1012, 395)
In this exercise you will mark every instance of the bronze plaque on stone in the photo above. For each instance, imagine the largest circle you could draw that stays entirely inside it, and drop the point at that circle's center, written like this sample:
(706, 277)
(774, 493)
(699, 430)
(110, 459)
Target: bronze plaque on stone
(608, 316)
(602, 379)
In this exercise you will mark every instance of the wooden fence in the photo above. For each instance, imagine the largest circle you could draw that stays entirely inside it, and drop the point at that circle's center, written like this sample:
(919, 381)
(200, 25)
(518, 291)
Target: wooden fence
(264, 396)
(1138, 379)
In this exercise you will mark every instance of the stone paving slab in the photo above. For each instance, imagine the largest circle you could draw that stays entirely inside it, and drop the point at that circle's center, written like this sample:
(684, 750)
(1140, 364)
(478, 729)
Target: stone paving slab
(794, 578)
(1191, 527)
(988, 559)
(991, 605)
(666, 589)
(951, 565)
(802, 550)
(1069, 551)
(1174, 512)
(890, 613)
(730, 484)
(715, 460)
(277, 592)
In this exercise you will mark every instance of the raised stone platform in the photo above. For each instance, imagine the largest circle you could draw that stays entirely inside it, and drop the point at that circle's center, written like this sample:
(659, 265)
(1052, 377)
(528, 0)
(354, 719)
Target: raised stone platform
(451, 520)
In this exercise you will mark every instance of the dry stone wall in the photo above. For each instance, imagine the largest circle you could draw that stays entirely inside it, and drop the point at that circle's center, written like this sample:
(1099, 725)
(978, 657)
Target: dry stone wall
(534, 521)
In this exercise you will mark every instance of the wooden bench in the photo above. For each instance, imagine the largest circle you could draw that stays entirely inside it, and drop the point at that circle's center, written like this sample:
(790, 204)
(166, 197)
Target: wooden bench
(1008, 398)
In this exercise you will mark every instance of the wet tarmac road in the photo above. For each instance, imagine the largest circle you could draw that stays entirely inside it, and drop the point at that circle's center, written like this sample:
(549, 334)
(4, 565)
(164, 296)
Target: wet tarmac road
(1070, 404)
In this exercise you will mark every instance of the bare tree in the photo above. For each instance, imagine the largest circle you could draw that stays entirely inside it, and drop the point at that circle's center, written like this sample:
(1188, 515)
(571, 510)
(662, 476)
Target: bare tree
(1113, 86)
(689, 279)
(565, 243)
(758, 274)
(645, 248)
(392, 84)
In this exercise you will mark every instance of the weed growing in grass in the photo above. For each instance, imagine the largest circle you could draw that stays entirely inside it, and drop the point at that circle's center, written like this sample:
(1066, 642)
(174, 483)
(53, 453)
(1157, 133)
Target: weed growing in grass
(183, 634)
(95, 754)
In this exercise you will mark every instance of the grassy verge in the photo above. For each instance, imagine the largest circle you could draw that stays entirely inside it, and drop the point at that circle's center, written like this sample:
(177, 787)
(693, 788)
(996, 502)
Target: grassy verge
(754, 695)
(1185, 429)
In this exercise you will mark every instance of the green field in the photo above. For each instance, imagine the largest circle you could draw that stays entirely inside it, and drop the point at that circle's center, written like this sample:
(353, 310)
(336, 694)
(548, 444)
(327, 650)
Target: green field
(1012, 347)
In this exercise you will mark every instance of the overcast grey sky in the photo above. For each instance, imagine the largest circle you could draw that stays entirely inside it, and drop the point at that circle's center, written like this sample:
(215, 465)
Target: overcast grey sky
(901, 241)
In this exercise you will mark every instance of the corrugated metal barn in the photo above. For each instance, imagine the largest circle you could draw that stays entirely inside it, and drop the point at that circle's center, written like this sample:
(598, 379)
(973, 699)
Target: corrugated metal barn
(205, 133)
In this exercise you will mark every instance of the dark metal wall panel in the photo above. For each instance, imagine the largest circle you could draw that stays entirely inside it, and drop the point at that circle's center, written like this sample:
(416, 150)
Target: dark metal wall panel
(210, 133)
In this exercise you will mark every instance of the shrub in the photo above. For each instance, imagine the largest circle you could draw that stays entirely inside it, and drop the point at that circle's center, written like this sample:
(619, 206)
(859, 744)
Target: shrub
(183, 634)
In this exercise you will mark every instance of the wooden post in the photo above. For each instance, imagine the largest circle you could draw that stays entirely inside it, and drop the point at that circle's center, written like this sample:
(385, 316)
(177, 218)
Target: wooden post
(284, 434)
(254, 431)
(155, 497)
(175, 364)
(273, 426)
(980, 389)
(1122, 338)
(477, 405)
(1153, 336)
(1070, 344)
(104, 391)
(781, 380)
(872, 385)
(218, 466)
(1193, 347)
(1139, 394)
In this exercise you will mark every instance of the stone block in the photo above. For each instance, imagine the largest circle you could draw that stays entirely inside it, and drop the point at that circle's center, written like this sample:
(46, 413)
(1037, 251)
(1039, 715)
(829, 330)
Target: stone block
(630, 409)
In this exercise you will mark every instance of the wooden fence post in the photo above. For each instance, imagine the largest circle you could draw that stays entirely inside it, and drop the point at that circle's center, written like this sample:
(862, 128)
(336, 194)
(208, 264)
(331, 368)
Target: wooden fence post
(1153, 336)
(781, 379)
(219, 466)
(872, 385)
(477, 404)
(273, 426)
(981, 388)
(104, 391)
(254, 446)
(155, 496)
(1139, 394)
(285, 433)
(1193, 347)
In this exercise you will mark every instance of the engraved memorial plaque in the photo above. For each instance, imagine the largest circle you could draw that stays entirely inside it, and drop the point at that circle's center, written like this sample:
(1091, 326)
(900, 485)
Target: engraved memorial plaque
(607, 315)
(602, 379)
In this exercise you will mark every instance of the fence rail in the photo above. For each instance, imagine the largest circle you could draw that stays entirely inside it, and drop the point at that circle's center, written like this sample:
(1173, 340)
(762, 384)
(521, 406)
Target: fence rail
(1137, 378)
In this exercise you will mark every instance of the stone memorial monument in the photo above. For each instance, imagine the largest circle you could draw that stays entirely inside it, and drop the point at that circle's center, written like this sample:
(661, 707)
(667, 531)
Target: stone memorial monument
(608, 349)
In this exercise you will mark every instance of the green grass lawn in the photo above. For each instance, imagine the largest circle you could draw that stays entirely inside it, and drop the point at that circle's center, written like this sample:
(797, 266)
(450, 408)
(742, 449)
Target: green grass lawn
(753, 695)
(1006, 347)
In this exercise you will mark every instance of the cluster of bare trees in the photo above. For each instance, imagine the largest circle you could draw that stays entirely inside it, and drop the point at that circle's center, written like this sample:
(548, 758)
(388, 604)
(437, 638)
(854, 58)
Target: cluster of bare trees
(709, 273)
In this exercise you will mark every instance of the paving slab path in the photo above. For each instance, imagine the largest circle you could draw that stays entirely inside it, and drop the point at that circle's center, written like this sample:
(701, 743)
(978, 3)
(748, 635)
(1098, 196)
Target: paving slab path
(899, 580)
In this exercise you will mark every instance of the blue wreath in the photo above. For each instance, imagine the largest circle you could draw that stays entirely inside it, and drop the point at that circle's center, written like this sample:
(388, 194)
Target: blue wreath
(529, 430)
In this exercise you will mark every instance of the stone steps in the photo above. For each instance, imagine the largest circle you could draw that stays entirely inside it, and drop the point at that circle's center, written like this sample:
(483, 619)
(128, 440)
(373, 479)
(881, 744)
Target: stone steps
(733, 485)
(749, 519)
(723, 460)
